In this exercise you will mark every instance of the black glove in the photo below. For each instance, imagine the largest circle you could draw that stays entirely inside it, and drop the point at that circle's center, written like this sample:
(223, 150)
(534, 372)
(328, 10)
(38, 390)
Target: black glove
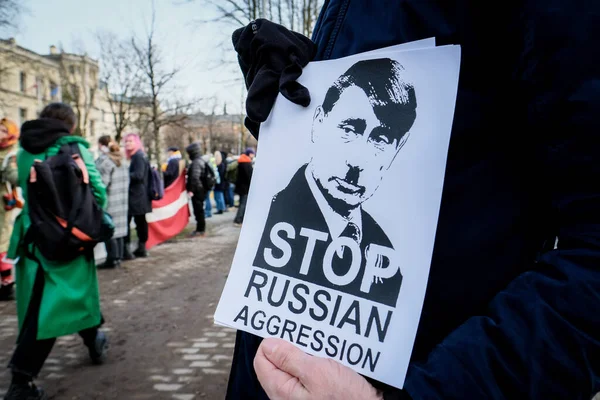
(271, 58)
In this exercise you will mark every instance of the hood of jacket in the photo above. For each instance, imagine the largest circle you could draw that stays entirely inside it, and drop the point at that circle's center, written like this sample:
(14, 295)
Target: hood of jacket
(116, 157)
(194, 151)
(39, 134)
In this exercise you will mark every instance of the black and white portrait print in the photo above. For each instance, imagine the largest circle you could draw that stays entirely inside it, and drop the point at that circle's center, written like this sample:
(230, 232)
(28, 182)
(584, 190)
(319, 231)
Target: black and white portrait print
(317, 229)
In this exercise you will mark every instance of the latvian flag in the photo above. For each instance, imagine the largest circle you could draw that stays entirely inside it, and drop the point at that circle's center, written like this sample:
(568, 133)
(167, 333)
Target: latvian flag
(170, 215)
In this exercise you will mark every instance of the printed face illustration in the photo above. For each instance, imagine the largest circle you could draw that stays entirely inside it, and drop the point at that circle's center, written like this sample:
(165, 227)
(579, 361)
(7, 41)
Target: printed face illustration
(354, 150)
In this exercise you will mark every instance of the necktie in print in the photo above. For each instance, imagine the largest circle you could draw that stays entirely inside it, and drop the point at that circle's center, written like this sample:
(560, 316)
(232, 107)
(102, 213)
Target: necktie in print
(343, 261)
(351, 232)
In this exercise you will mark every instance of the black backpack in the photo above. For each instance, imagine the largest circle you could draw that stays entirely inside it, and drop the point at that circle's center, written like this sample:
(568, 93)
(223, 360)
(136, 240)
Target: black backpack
(208, 180)
(66, 221)
(156, 186)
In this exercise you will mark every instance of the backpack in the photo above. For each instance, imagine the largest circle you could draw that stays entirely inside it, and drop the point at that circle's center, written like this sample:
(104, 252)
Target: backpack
(66, 220)
(156, 187)
(232, 169)
(209, 179)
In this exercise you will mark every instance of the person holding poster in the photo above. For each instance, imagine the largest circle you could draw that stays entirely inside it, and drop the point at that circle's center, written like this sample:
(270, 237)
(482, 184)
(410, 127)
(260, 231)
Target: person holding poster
(511, 302)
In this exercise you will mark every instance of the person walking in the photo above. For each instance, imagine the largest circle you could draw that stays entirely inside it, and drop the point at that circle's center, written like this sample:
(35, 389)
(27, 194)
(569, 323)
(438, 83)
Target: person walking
(115, 175)
(9, 136)
(242, 184)
(210, 162)
(139, 196)
(196, 187)
(221, 185)
(231, 175)
(53, 298)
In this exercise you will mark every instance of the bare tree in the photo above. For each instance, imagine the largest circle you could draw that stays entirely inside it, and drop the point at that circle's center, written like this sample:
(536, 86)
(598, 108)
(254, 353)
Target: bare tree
(297, 15)
(156, 81)
(9, 11)
(211, 120)
(120, 75)
(179, 135)
(158, 84)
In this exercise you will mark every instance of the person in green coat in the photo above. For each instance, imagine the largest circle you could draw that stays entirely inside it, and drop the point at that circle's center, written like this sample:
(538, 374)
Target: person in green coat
(53, 298)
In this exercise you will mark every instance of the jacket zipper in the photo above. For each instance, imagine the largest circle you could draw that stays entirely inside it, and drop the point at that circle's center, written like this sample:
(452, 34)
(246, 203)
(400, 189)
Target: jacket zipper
(338, 24)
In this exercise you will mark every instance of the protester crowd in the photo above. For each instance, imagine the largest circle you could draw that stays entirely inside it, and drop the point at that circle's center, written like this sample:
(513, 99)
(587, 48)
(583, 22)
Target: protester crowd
(122, 184)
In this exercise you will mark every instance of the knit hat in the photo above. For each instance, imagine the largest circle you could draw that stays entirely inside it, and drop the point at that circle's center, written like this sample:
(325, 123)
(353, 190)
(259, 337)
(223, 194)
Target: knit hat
(249, 151)
(173, 148)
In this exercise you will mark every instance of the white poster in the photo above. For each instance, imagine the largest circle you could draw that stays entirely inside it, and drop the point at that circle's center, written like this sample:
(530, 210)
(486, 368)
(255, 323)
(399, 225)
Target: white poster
(338, 236)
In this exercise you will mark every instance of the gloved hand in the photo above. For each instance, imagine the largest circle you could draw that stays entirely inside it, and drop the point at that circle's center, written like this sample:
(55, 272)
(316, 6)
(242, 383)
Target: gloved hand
(271, 58)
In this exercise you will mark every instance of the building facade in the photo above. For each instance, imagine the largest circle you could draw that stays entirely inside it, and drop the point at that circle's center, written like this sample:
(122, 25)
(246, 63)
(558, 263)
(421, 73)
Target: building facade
(29, 81)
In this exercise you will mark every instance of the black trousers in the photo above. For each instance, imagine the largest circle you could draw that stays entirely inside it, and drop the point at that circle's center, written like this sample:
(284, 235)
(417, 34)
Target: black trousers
(141, 226)
(239, 218)
(31, 354)
(115, 249)
(198, 205)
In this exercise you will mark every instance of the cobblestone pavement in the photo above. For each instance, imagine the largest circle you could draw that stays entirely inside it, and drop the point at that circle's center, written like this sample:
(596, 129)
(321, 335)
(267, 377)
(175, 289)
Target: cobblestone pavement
(159, 318)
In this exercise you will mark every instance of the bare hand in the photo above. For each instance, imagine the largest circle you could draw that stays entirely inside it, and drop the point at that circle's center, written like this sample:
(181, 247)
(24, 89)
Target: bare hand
(287, 373)
(190, 195)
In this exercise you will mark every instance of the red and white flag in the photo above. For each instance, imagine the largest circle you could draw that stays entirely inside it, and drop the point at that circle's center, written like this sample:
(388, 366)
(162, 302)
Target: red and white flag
(170, 215)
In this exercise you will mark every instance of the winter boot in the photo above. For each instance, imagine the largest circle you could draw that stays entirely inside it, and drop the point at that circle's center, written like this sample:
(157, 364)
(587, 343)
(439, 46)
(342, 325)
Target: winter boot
(109, 264)
(7, 292)
(98, 350)
(25, 391)
(197, 234)
(127, 254)
(141, 251)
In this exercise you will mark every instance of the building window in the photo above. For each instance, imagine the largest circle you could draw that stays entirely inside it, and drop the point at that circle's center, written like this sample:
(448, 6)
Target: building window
(72, 70)
(53, 91)
(22, 115)
(23, 82)
(93, 128)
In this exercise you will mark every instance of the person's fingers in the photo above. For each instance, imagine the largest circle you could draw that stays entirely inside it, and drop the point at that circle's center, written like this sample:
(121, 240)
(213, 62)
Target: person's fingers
(277, 383)
(286, 357)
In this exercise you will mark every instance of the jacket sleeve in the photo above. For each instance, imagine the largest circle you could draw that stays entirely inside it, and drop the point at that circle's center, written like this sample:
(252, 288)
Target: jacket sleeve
(540, 336)
(137, 169)
(98, 187)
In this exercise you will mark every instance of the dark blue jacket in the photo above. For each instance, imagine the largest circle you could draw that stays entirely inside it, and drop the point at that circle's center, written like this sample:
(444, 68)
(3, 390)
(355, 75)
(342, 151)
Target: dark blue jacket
(172, 172)
(506, 315)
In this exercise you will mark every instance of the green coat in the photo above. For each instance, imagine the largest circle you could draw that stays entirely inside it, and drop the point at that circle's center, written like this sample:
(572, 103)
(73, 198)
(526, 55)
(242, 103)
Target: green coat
(71, 299)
